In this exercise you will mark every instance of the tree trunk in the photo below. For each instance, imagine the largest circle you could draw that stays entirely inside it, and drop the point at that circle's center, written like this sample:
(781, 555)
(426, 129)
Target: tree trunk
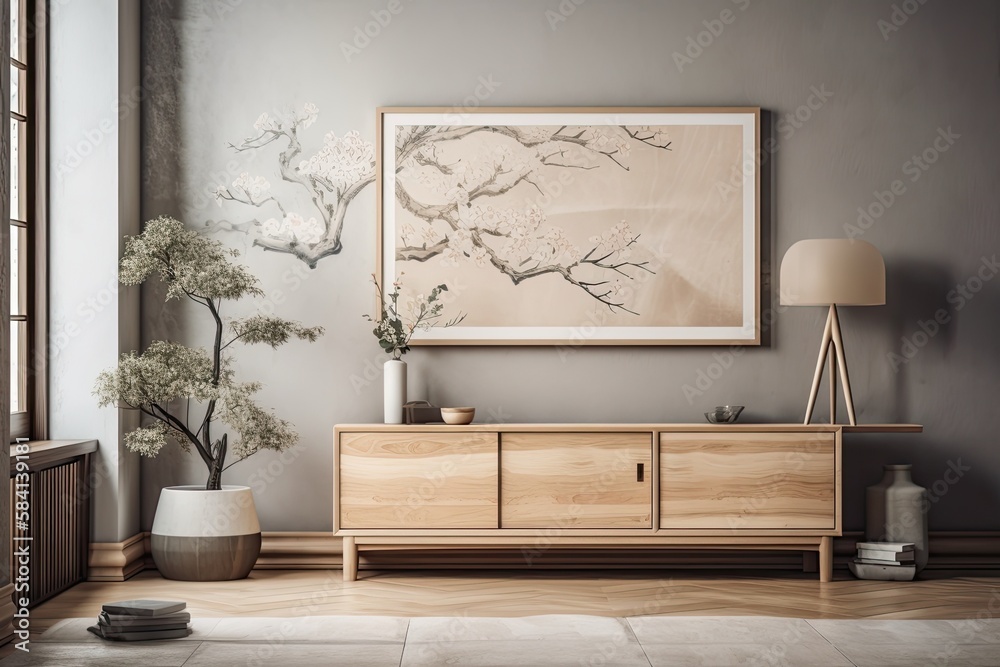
(218, 462)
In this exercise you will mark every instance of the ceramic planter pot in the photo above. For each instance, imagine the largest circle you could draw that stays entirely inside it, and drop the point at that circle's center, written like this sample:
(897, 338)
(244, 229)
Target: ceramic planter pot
(201, 535)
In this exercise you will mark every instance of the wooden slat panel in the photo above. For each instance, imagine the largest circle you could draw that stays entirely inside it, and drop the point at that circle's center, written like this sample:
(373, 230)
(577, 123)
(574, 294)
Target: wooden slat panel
(748, 480)
(575, 480)
(429, 480)
(58, 510)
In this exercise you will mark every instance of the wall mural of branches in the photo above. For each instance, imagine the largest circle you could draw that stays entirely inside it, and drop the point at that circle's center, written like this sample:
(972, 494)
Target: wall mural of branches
(331, 178)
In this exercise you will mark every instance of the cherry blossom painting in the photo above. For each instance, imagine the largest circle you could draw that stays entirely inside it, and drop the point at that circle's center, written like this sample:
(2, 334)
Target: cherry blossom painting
(575, 227)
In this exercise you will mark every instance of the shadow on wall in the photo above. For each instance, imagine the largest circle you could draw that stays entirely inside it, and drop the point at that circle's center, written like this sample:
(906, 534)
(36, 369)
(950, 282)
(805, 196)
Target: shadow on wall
(952, 479)
(928, 304)
(765, 165)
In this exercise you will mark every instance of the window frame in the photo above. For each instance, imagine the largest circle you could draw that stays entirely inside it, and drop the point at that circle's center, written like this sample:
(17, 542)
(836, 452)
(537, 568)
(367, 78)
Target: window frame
(32, 421)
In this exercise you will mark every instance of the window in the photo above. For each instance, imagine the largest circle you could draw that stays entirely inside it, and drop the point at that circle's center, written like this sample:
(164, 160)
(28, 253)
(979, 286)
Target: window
(27, 207)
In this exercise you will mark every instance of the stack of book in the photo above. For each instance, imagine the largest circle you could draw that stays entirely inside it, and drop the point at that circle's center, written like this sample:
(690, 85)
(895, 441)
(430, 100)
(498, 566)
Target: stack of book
(885, 560)
(140, 620)
(885, 553)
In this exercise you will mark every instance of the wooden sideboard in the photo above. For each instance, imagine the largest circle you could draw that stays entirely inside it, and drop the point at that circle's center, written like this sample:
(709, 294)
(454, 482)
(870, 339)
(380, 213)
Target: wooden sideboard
(774, 487)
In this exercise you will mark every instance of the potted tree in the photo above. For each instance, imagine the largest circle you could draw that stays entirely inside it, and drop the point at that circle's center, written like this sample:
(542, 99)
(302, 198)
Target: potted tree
(210, 532)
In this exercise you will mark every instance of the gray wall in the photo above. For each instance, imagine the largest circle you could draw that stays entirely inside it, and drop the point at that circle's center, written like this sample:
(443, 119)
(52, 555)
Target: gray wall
(211, 68)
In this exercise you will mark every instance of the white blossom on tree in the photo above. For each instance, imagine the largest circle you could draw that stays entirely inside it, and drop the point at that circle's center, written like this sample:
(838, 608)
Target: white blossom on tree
(455, 217)
(331, 178)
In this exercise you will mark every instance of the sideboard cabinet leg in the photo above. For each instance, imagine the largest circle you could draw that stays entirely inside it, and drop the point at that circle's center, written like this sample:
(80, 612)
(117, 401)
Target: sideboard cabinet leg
(350, 559)
(825, 559)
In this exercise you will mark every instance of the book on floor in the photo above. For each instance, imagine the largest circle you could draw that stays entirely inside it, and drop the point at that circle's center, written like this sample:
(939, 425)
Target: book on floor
(145, 607)
(142, 621)
(887, 563)
(892, 556)
(132, 636)
(886, 546)
(124, 629)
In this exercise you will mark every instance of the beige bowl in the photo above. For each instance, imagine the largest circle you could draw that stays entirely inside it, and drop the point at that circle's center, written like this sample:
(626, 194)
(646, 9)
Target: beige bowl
(458, 416)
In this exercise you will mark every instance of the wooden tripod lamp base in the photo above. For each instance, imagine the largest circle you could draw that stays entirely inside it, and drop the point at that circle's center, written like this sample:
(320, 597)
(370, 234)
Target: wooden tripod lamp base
(832, 338)
(828, 272)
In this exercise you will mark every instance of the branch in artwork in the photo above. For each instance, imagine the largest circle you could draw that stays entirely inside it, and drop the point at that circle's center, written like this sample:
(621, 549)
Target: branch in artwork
(533, 249)
(331, 179)
(421, 253)
(603, 291)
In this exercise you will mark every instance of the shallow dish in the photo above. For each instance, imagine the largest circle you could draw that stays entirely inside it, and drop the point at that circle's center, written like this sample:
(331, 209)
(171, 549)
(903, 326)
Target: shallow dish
(724, 414)
(458, 416)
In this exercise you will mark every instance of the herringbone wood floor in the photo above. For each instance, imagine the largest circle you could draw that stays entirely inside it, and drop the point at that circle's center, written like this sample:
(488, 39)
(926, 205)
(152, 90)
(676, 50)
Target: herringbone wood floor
(518, 593)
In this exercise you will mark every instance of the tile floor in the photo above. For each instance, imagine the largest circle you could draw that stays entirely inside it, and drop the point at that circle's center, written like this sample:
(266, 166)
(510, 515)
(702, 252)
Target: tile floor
(647, 641)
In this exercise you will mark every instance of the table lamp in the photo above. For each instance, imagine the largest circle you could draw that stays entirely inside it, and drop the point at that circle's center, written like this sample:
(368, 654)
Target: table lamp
(832, 272)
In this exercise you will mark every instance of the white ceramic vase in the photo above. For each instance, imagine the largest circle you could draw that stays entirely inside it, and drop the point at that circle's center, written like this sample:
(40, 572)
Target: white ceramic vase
(394, 380)
(896, 511)
(201, 535)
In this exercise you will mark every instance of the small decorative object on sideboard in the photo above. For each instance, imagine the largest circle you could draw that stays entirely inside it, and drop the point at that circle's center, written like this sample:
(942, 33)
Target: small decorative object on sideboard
(421, 412)
(896, 511)
(394, 337)
(458, 416)
(884, 561)
(724, 414)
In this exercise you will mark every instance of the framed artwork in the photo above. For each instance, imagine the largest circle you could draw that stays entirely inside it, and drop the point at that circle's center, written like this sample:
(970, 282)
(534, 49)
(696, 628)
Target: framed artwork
(574, 226)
